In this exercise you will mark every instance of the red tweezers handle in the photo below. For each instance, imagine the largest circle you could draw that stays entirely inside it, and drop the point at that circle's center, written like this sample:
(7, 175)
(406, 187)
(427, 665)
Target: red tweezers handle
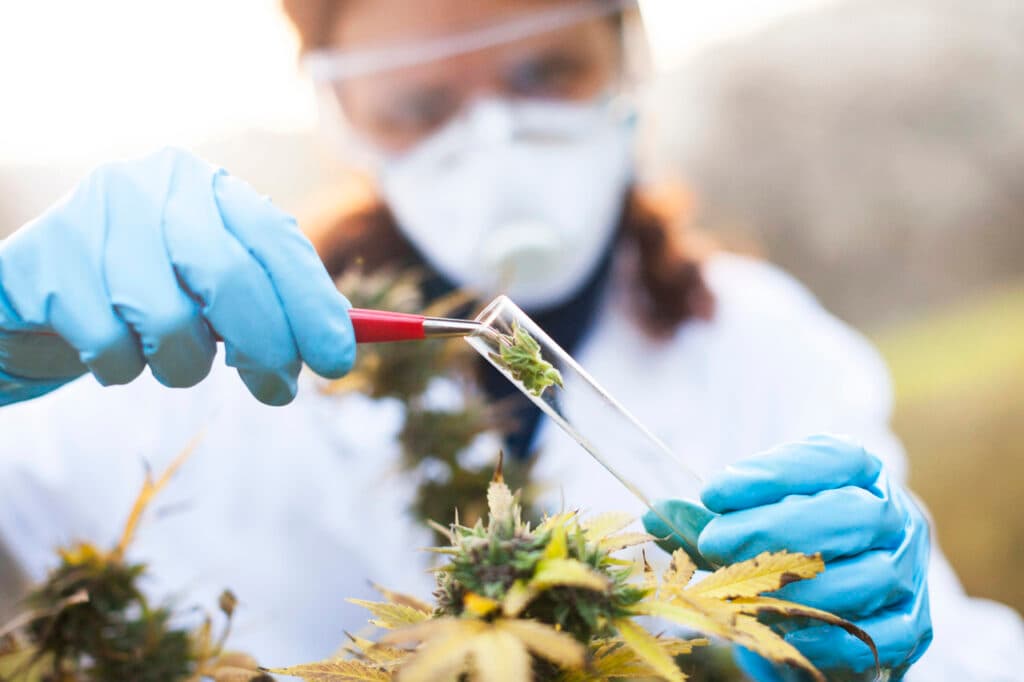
(374, 326)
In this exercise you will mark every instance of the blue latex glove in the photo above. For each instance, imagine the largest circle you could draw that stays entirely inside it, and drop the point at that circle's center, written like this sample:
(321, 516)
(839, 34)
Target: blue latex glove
(143, 263)
(823, 495)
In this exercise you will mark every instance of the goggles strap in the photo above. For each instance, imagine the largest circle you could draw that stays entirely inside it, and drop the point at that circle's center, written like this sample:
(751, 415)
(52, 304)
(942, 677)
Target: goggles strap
(334, 65)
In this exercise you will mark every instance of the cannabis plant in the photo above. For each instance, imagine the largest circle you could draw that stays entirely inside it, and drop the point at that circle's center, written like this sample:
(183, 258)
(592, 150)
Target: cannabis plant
(90, 621)
(555, 603)
(404, 371)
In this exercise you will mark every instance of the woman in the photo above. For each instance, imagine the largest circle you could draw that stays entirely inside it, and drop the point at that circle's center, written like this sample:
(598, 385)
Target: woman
(503, 160)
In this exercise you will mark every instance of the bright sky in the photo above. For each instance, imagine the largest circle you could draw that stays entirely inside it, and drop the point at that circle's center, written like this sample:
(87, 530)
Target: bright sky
(103, 78)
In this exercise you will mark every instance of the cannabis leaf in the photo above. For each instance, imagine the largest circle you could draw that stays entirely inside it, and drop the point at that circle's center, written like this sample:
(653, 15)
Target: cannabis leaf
(727, 602)
(150, 489)
(763, 573)
(479, 606)
(498, 650)
(517, 598)
(680, 570)
(390, 615)
(335, 671)
(403, 599)
(377, 653)
(759, 605)
(614, 543)
(597, 528)
(649, 650)
(567, 573)
(614, 659)
(554, 646)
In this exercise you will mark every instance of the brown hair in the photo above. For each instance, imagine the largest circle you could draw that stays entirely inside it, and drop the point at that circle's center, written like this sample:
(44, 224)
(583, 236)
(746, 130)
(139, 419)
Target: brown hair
(313, 19)
(669, 286)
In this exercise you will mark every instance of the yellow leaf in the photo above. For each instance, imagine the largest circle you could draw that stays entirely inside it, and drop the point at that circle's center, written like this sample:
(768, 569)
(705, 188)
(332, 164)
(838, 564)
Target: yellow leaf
(704, 615)
(558, 647)
(764, 573)
(227, 673)
(479, 605)
(678, 647)
(761, 639)
(390, 616)
(567, 573)
(444, 650)
(691, 613)
(558, 547)
(499, 656)
(26, 665)
(551, 522)
(372, 651)
(81, 554)
(445, 551)
(496, 649)
(649, 650)
(435, 628)
(202, 641)
(611, 659)
(404, 599)
(334, 671)
(603, 525)
(614, 543)
(757, 605)
(150, 488)
(680, 570)
(517, 598)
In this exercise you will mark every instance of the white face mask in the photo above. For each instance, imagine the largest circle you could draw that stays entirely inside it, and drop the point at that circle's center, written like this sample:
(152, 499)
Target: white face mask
(516, 198)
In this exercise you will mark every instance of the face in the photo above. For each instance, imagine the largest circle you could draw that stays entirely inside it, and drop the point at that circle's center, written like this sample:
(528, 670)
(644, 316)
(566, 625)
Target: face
(396, 109)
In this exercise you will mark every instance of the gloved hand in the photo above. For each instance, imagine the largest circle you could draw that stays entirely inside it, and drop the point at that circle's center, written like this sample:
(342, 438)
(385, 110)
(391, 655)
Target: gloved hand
(823, 495)
(144, 263)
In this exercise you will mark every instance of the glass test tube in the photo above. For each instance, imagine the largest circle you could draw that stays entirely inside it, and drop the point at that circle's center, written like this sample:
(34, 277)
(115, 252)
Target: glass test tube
(624, 447)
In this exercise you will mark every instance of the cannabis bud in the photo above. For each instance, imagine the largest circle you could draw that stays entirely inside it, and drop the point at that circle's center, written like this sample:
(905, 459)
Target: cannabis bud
(520, 355)
(227, 602)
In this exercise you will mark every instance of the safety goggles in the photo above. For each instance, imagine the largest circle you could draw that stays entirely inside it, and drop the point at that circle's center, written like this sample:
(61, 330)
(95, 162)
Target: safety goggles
(390, 97)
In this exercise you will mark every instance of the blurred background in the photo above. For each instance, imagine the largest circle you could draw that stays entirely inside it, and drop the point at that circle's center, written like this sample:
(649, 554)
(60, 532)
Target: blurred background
(874, 148)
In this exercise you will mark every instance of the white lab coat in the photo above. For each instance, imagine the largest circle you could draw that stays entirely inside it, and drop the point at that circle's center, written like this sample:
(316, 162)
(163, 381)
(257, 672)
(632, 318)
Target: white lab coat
(297, 508)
